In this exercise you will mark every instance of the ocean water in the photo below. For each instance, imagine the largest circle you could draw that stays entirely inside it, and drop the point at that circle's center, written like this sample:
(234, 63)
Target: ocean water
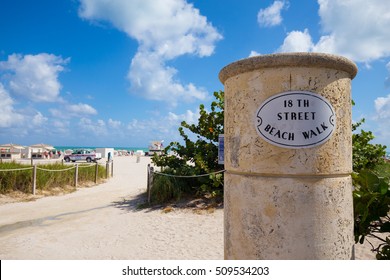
(63, 148)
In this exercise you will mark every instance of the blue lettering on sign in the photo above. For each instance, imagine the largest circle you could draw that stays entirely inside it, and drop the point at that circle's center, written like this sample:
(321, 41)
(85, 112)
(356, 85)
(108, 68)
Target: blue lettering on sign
(221, 149)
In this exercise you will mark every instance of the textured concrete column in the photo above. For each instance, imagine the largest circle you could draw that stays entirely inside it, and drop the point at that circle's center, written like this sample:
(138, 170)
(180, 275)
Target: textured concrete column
(287, 202)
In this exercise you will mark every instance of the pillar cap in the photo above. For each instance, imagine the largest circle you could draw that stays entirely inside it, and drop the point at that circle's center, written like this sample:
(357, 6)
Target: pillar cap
(299, 59)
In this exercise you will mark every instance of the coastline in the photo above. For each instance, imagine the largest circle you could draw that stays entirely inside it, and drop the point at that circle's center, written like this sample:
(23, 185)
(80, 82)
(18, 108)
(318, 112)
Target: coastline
(130, 148)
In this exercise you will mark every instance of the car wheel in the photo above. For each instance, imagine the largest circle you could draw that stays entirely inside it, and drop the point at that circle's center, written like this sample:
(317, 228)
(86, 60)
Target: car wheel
(89, 159)
(67, 159)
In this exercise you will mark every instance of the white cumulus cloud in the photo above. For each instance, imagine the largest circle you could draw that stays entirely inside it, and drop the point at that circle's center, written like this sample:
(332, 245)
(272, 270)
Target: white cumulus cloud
(90, 127)
(154, 80)
(114, 124)
(164, 127)
(189, 117)
(8, 115)
(81, 109)
(356, 29)
(61, 126)
(39, 119)
(254, 53)
(387, 81)
(382, 107)
(34, 76)
(164, 29)
(67, 111)
(271, 16)
(297, 41)
(381, 119)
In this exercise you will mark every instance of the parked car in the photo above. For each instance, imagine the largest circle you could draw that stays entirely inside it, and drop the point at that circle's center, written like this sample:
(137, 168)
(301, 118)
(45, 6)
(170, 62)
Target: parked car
(86, 155)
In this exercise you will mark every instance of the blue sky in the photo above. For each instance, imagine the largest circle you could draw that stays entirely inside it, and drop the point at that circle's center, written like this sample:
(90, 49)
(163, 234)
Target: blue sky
(126, 72)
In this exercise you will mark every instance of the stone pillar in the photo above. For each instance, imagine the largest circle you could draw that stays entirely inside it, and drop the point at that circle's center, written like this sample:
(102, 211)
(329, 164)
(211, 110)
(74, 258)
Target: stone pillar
(288, 157)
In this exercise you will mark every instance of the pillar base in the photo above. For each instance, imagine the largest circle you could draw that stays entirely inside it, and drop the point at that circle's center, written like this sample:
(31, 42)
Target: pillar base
(298, 218)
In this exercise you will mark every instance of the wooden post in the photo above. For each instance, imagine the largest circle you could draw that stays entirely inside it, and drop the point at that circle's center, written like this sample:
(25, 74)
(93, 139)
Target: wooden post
(32, 161)
(96, 172)
(34, 179)
(112, 168)
(107, 169)
(76, 175)
(148, 180)
(150, 183)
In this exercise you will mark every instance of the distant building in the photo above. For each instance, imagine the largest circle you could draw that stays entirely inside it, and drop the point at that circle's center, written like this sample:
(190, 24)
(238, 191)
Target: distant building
(105, 151)
(11, 151)
(38, 151)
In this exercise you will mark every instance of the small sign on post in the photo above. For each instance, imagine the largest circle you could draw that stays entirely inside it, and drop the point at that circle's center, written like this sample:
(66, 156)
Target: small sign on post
(221, 149)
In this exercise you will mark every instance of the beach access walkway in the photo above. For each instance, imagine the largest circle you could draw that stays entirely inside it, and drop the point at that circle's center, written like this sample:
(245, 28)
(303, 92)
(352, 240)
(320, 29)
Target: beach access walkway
(103, 222)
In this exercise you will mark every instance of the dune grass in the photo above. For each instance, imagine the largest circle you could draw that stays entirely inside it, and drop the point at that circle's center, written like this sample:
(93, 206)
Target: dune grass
(22, 180)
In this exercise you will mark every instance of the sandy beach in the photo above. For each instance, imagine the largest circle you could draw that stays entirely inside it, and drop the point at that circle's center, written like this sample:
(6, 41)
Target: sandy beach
(103, 222)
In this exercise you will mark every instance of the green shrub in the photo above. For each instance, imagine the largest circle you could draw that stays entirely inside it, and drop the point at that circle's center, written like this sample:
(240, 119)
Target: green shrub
(364, 154)
(168, 188)
(371, 210)
(383, 169)
(200, 156)
(371, 196)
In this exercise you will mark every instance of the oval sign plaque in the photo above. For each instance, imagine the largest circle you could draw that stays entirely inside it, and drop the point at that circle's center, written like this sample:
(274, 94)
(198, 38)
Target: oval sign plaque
(295, 119)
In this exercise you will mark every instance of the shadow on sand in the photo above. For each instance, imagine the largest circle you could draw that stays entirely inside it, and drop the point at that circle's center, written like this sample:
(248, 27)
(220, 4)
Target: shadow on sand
(139, 203)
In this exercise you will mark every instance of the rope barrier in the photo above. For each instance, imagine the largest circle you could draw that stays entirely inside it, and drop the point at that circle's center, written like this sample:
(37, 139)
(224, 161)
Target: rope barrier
(191, 176)
(16, 169)
(36, 167)
(44, 169)
(55, 170)
(84, 166)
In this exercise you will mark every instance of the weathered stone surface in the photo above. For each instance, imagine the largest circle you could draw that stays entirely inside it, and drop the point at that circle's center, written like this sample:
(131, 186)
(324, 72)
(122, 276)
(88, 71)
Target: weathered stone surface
(288, 218)
(244, 94)
(256, 168)
(284, 60)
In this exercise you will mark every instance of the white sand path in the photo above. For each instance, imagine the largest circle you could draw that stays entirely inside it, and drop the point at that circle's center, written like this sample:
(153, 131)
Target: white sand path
(102, 222)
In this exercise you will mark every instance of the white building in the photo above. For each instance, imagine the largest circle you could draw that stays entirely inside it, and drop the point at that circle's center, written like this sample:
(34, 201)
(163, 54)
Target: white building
(104, 152)
(11, 151)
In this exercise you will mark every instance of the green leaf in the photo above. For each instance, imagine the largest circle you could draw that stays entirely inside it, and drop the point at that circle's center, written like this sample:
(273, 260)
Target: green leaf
(383, 186)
